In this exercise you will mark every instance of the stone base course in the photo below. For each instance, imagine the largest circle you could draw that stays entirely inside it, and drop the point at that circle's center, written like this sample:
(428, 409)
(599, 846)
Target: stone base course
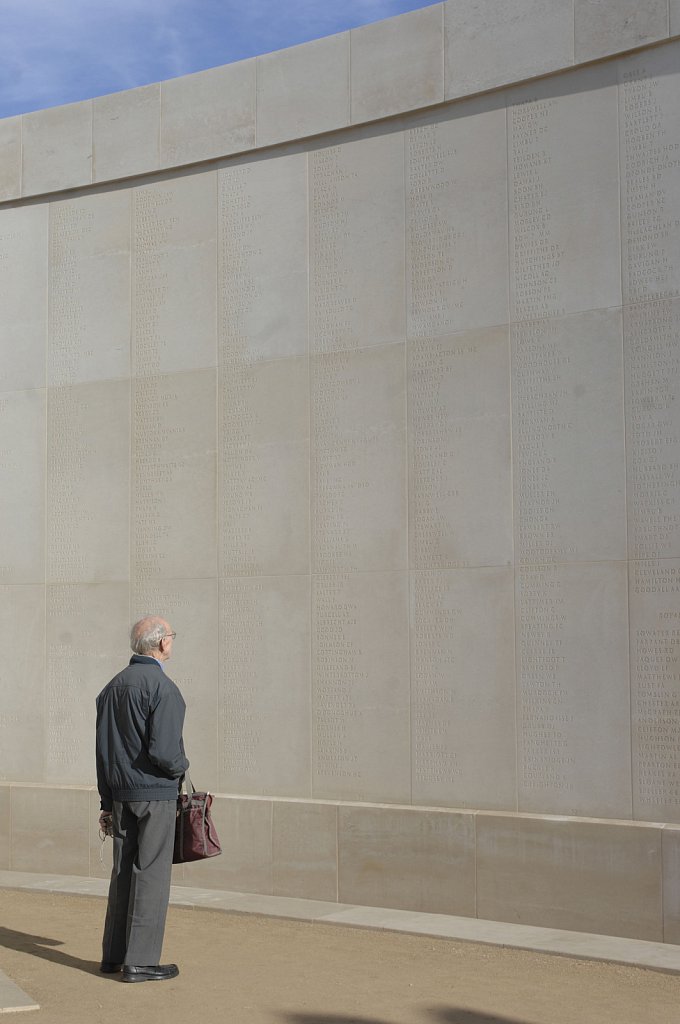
(578, 874)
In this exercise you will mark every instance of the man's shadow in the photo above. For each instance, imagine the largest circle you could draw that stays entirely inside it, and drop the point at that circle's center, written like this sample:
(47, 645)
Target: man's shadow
(447, 1015)
(40, 945)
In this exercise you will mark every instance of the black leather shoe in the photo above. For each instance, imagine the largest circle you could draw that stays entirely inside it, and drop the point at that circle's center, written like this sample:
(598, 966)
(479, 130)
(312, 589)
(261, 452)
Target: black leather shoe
(159, 973)
(108, 968)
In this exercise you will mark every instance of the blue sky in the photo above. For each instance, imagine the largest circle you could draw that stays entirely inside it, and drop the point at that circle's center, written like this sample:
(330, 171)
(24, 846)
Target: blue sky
(61, 51)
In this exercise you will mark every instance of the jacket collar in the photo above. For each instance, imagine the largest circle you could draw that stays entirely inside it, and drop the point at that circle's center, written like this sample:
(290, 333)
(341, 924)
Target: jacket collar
(144, 659)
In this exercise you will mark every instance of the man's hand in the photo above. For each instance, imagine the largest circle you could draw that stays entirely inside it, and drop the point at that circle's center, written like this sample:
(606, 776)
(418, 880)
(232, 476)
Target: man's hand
(106, 823)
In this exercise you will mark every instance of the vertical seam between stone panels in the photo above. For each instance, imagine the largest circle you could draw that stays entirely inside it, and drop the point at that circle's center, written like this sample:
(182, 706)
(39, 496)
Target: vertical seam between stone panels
(337, 853)
(661, 885)
(625, 440)
(21, 155)
(257, 81)
(310, 666)
(160, 125)
(218, 478)
(443, 6)
(475, 858)
(46, 550)
(349, 77)
(92, 163)
(217, 362)
(407, 480)
(218, 221)
(271, 848)
(573, 32)
(131, 400)
(512, 463)
(9, 829)
(86, 832)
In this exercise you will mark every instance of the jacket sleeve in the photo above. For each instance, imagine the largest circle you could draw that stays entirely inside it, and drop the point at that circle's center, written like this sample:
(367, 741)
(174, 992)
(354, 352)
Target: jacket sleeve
(105, 795)
(166, 719)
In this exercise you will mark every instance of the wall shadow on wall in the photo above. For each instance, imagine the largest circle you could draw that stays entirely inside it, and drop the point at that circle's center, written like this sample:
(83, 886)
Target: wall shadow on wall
(43, 947)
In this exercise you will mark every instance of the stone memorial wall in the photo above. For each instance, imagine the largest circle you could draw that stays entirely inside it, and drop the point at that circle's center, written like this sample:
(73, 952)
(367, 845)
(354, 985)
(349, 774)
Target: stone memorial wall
(386, 421)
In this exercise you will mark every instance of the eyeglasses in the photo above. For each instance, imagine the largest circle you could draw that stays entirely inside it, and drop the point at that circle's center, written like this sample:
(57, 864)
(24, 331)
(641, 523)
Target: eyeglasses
(169, 636)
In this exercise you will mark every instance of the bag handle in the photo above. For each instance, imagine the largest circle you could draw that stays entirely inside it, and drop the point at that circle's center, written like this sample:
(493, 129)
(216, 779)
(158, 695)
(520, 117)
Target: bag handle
(187, 779)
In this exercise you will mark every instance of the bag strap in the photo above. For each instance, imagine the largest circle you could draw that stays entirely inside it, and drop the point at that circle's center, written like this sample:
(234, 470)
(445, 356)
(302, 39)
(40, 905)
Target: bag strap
(184, 788)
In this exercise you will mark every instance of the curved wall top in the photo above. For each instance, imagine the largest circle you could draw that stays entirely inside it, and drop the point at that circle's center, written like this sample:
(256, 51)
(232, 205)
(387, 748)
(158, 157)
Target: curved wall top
(429, 56)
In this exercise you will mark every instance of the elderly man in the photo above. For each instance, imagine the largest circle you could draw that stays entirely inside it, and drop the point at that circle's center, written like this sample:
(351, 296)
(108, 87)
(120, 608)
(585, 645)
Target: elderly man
(140, 765)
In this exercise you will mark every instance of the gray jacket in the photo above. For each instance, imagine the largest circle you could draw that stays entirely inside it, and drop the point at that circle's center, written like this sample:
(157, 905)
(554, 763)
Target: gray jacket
(140, 753)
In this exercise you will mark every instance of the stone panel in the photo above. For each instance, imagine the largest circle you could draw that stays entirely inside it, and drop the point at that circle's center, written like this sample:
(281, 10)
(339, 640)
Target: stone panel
(126, 130)
(671, 883)
(290, 104)
(22, 671)
(264, 688)
(57, 148)
(360, 687)
(263, 399)
(675, 17)
(22, 486)
(573, 690)
(652, 362)
(263, 247)
(263, 507)
(174, 477)
(173, 275)
(568, 443)
(50, 830)
(581, 875)
(397, 64)
(655, 680)
(88, 488)
(5, 822)
(457, 221)
(191, 608)
(650, 183)
(408, 859)
(245, 864)
(602, 27)
(264, 466)
(356, 230)
(86, 644)
(463, 689)
(564, 198)
(359, 460)
(89, 289)
(208, 114)
(305, 850)
(23, 297)
(491, 42)
(460, 504)
(10, 158)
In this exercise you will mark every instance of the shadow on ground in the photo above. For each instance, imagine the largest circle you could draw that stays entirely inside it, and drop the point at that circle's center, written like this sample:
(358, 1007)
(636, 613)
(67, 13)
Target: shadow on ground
(442, 1014)
(40, 945)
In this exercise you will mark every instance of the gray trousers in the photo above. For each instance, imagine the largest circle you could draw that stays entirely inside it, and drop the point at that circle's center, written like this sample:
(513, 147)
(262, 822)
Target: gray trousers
(143, 836)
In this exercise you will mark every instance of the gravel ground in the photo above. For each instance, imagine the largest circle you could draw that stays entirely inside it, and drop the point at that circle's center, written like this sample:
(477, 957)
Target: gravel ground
(241, 968)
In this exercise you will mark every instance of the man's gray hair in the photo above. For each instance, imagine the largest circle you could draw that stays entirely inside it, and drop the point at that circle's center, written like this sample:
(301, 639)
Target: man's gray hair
(146, 635)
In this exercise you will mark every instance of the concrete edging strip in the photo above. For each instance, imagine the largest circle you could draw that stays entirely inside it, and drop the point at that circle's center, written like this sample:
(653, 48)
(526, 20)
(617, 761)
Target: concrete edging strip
(12, 998)
(657, 956)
